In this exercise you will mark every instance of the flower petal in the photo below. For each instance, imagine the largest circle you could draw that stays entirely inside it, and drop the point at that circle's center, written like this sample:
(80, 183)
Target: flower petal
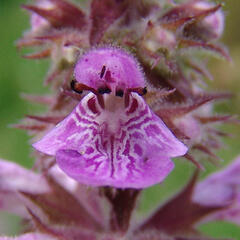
(124, 147)
(13, 179)
(78, 168)
(11, 202)
(221, 189)
(121, 69)
(30, 236)
(225, 184)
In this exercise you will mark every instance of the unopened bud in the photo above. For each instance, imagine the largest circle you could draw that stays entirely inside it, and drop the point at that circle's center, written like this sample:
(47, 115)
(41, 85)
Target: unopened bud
(158, 38)
(214, 22)
(38, 22)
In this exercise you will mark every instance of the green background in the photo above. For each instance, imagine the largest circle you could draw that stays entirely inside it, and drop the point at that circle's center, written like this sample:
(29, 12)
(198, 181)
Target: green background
(18, 75)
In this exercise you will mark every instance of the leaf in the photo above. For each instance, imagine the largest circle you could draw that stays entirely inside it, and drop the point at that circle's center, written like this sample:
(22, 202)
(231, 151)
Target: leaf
(214, 48)
(62, 207)
(180, 214)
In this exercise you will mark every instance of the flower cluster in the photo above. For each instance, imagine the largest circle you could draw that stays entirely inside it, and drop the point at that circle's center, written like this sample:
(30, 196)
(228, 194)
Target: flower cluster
(127, 79)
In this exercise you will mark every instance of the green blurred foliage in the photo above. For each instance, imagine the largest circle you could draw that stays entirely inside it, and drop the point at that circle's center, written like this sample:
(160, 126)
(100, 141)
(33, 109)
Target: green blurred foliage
(18, 75)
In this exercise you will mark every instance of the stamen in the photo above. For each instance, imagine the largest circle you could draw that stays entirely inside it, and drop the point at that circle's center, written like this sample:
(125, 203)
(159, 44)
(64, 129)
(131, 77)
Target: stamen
(102, 71)
(75, 88)
(139, 91)
(79, 87)
(144, 91)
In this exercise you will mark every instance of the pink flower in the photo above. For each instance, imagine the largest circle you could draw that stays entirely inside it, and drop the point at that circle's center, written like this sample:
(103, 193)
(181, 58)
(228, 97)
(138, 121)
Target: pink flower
(15, 179)
(221, 189)
(112, 139)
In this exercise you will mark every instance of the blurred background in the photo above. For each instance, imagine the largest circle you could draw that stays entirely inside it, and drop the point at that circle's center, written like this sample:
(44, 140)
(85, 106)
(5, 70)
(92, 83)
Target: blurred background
(18, 75)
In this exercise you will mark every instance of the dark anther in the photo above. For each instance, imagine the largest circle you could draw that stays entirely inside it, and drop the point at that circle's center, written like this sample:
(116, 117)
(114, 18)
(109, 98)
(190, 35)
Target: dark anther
(74, 87)
(102, 71)
(144, 91)
(103, 90)
(140, 91)
(119, 93)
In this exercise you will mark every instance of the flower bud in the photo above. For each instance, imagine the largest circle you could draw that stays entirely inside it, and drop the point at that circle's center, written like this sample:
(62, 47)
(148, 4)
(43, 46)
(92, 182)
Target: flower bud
(215, 21)
(210, 27)
(159, 38)
(38, 22)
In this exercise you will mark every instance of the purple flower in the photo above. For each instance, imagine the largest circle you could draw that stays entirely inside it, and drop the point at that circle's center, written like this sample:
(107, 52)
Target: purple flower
(112, 139)
(115, 134)
(221, 189)
(15, 179)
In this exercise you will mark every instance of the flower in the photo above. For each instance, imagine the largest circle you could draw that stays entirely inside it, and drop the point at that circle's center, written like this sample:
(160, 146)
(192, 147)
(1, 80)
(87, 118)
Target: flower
(112, 139)
(15, 179)
(109, 132)
(221, 189)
